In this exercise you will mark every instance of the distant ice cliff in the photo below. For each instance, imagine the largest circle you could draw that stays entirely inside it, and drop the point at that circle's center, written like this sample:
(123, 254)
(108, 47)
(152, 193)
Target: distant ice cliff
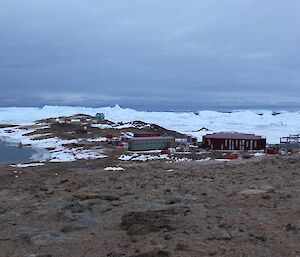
(264, 123)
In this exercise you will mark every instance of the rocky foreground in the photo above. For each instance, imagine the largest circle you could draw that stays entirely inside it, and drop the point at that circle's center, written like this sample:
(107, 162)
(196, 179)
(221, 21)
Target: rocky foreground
(152, 209)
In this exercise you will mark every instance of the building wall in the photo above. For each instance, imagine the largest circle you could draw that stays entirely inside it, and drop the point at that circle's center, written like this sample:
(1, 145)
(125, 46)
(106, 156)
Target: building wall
(234, 144)
(144, 145)
(146, 135)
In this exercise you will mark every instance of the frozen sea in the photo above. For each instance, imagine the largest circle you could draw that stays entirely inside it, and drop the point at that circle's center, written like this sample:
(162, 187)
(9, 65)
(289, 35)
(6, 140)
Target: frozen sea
(11, 153)
(266, 123)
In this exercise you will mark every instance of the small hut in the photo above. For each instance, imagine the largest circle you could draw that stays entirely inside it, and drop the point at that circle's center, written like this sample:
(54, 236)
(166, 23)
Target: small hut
(100, 117)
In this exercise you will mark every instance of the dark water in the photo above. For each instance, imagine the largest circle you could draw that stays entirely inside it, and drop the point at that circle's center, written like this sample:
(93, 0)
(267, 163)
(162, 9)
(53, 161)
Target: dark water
(10, 153)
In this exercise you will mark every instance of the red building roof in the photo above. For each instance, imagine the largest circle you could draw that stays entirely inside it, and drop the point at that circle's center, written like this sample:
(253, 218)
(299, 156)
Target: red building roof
(228, 135)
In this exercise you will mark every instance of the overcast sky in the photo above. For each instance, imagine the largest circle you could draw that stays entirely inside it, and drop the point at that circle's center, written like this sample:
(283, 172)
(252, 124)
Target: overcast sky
(150, 54)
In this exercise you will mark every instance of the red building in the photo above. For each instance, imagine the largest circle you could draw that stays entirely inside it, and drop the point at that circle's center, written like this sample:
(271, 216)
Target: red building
(234, 142)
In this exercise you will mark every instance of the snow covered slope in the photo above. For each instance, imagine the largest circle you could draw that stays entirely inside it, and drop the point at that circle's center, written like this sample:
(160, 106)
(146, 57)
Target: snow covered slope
(266, 124)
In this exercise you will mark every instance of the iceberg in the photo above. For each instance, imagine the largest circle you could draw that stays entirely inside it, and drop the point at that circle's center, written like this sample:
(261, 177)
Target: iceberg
(263, 123)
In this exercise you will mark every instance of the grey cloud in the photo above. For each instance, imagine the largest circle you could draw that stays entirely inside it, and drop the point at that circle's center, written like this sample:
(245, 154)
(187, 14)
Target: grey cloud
(150, 54)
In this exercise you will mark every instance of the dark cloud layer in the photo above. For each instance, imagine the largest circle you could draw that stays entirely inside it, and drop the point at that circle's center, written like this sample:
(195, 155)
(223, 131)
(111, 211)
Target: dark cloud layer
(154, 54)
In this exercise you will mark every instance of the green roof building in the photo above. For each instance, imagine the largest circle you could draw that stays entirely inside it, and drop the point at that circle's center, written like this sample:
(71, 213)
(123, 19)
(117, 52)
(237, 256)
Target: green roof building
(151, 143)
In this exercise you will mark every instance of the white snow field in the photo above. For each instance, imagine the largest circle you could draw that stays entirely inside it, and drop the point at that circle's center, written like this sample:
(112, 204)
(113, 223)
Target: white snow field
(271, 126)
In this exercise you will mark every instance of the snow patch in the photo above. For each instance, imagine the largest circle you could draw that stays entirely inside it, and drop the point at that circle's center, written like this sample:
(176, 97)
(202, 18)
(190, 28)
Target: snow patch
(98, 139)
(113, 169)
(144, 157)
(25, 165)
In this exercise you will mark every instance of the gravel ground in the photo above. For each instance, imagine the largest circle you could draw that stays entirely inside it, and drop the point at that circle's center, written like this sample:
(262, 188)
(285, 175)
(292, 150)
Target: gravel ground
(154, 209)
